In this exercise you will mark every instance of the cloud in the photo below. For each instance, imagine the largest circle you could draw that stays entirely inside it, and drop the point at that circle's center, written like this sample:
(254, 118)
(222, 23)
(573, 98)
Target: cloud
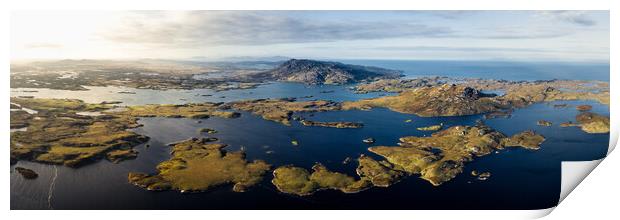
(259, 27)
(42, 46)
(575, 17)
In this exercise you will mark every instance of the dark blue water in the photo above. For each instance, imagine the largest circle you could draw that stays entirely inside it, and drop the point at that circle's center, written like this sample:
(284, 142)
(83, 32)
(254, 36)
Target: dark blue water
(521, 179)
(495, 69)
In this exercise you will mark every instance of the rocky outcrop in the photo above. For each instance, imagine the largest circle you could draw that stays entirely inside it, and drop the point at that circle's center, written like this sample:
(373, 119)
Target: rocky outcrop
(26, 173)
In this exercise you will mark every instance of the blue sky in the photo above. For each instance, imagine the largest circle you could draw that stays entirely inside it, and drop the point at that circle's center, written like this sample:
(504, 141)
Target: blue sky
(421, 35)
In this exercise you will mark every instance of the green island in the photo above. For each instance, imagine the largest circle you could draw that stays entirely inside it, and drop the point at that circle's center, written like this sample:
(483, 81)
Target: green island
(440, 157)
(299, 181)
(281, 110)
(198, 165)
(55, 133)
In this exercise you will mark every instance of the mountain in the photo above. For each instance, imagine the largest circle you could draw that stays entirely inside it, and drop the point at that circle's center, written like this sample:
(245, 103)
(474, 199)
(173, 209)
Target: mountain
(324, 72)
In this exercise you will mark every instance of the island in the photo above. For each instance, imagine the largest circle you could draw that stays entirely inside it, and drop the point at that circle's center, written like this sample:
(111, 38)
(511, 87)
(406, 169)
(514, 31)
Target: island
(339, 124)
(593, 123)
(281, 110)
(26, 173)
(55, 133)
(442, 156)
(198, 165)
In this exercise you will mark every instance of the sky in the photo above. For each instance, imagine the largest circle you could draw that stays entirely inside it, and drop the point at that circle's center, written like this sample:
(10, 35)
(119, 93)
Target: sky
(404, 35)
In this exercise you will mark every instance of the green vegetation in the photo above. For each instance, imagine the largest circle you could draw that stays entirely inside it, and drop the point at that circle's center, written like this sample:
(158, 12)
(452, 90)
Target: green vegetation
(201, 110)
(280, 110)
(198, 165)
(525, 139)
(380, 173)
(57, 135)
(593, 123)
(299, 181)
(444, 100)
(441, 157)
(544, 123)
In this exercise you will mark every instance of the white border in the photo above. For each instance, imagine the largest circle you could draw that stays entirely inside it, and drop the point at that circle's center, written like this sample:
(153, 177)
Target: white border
(306, 5)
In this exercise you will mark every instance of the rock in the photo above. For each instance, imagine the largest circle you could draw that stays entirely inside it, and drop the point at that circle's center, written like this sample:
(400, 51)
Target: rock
(474, 173)
(26, 173)
(430, 128)
(207, 130)
(369, 140)
(544, 123)
(346, 160)
(584, 108)
(484, 176)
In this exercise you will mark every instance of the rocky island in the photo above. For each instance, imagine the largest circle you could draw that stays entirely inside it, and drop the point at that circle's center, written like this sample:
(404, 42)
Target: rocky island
(593, 123)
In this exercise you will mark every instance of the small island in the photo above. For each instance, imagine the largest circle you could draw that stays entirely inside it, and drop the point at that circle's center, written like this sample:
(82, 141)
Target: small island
(339, 124)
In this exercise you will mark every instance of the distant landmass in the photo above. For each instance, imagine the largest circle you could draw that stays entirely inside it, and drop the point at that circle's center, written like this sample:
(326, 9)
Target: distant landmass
(325, 72)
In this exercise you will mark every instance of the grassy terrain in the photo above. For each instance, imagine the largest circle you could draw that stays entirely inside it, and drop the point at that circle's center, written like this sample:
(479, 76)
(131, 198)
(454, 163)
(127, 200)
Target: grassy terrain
(299, 181)
(441, 157)
(280, 110)
(198, 165)
(56, 134)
